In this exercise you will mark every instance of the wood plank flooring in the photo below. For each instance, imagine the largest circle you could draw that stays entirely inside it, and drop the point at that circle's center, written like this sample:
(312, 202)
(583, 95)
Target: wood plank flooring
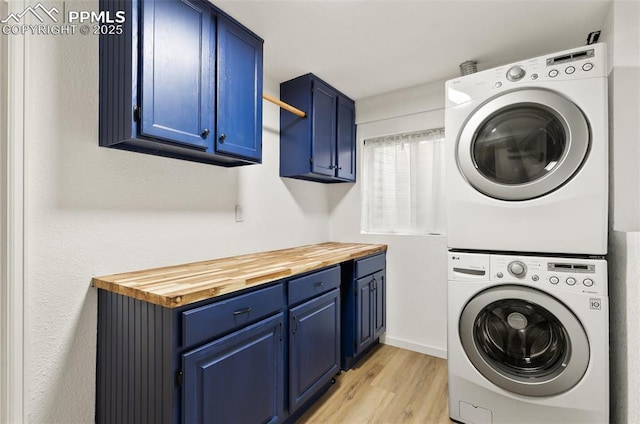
(390, 385)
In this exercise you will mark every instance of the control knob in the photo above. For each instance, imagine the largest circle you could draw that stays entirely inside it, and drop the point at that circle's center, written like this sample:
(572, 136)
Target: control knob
(517, 269)
(515, 73)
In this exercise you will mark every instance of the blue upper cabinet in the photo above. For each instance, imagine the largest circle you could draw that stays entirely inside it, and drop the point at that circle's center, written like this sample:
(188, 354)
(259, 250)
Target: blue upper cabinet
(323, 129)
(320, 147)
(183, 80)
(239, 85)
(177, 89)
(346, 140)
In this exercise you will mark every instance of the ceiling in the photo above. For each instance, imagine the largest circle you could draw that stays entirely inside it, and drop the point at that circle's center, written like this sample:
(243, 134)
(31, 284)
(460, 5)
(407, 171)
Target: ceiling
(369, 47)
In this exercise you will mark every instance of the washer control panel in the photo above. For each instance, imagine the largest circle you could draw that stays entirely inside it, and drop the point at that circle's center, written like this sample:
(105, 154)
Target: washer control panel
(570, 274)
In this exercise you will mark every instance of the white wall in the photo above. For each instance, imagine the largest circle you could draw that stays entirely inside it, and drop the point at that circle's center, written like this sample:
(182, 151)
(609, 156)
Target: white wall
(622, 33)
(93, 211)
(416, 265)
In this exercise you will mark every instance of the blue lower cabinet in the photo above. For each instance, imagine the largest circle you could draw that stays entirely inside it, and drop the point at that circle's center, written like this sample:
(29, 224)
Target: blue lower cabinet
(370, 309)
(364, 309)
(238, 378)
(380, 302)
(364, 312)
(221, 360)
(262, 355)
(314, 347)
(135, 368)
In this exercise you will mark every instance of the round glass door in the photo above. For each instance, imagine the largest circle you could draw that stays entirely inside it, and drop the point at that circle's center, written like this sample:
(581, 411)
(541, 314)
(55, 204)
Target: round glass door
(523, 144)
(524, 341)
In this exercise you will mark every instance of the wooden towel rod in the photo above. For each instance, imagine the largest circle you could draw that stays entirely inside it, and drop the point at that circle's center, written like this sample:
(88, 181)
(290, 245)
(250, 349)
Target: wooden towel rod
(285, 106)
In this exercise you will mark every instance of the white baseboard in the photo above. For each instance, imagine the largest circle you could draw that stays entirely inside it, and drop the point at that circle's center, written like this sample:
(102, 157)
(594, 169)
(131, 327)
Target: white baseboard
(415, 347)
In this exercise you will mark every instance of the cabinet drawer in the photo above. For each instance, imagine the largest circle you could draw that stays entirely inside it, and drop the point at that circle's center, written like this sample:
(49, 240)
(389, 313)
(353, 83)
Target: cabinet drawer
(208, 321)
(314, 284)
(370, 265)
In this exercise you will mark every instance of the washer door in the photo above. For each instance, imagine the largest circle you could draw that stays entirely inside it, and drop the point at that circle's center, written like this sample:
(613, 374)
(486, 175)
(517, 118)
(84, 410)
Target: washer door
(524, 340)
(523, 144)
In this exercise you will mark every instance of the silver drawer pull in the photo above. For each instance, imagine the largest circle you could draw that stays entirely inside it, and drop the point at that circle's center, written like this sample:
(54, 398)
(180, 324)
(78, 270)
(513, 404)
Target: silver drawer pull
(318, 284)
(242, 311)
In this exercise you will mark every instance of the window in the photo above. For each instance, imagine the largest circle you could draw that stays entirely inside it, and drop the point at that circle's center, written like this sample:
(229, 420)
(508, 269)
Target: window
(403, 184)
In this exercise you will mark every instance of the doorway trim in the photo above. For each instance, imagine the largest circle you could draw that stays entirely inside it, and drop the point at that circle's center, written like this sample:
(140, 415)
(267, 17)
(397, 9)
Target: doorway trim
(12, 231)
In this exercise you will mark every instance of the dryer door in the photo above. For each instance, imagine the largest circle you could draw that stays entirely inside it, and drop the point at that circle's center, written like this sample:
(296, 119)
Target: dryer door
(523, 144)
(524, 340)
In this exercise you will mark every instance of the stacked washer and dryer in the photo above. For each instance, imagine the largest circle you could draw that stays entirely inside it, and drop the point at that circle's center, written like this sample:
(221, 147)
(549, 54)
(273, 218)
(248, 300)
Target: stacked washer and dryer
(527, 180)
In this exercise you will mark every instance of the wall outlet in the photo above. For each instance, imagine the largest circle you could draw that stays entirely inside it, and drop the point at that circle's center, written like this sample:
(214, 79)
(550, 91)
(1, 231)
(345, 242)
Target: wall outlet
(239, 213)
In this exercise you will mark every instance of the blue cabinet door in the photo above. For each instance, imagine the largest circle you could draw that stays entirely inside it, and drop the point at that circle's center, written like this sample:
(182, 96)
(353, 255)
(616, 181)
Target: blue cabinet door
(364, 305)
(239, 85)
(346, 140)
(238, 378)
(314, 346)
(380, 299)
(371, 309)
(177, 89)
(323, 129)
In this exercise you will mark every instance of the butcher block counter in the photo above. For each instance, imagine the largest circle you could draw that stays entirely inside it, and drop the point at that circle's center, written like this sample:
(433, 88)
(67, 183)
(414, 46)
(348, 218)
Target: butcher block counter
(245, 339)
(179, 285)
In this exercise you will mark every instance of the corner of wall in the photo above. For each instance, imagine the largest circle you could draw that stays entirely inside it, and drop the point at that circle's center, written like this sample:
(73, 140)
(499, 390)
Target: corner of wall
(617, 263)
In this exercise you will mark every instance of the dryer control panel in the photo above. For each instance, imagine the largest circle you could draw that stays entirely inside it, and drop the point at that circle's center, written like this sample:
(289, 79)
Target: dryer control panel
(586, 62)
(581, 63)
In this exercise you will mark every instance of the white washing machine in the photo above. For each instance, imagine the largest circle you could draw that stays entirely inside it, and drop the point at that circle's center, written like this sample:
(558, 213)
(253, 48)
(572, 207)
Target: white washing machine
(528, 339)
(527, 155)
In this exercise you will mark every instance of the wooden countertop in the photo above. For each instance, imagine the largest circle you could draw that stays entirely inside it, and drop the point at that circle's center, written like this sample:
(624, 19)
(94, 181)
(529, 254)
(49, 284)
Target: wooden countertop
(179, 285)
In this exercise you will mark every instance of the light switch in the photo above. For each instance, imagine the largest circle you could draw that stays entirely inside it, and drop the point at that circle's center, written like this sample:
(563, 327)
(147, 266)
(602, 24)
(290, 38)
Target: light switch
(239, 213)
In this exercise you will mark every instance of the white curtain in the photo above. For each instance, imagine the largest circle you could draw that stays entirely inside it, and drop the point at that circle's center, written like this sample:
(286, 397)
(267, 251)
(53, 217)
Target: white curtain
(403, 184)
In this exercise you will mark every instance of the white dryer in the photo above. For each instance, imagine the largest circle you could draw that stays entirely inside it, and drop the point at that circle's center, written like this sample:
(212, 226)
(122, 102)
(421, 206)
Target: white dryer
(527, 155)
(528, 339)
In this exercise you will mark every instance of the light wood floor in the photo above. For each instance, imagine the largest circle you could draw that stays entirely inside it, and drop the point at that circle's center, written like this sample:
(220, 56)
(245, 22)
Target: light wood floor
(390, 385)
